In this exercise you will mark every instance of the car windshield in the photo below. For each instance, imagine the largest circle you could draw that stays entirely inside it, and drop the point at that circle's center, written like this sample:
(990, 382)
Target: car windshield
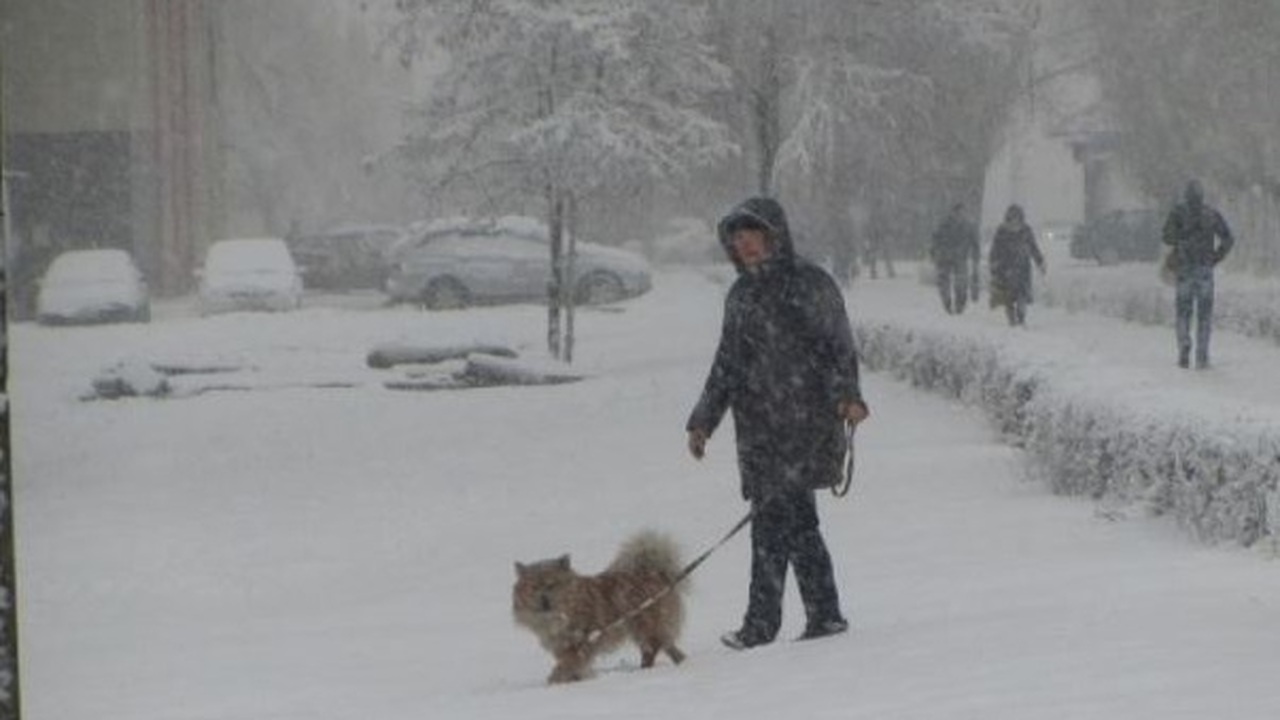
(90, 266)
(249, 256)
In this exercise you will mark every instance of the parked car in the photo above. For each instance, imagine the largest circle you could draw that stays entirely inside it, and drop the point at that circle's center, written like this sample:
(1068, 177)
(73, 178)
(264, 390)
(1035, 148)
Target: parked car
(1119, 236)
(249, 274)
(459, 262)
(681, 241)
(93, 286)
(345, 258)
(1058, 232)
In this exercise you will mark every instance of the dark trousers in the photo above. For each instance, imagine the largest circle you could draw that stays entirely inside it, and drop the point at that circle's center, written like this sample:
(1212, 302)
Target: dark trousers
(1016, 311)
(953, 286)
(1194, 296)
(785, 532)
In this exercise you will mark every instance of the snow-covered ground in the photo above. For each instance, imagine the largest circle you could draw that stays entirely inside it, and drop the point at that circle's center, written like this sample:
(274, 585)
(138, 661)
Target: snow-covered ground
(319, 546)
(1098, 403)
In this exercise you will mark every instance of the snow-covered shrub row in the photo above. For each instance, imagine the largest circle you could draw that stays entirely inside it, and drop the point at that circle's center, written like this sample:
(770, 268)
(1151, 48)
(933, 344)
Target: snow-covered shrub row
(1135, 294)
(1216, 481)
(1218, 478)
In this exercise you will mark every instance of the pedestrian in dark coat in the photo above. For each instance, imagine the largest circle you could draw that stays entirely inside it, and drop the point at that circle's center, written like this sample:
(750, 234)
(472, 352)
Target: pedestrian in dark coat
(956, 255)
(787, 368)
(1200, 239)
(1013, 250)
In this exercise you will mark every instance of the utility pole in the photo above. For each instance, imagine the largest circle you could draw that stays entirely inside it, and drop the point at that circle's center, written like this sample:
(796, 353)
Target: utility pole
(9, 699)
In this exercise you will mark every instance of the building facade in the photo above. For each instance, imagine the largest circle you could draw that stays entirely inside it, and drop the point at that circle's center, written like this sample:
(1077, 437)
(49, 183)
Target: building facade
(107, 139)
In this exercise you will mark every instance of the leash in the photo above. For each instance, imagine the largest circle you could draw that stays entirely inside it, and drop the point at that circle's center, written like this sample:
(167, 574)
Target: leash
(841, 488)
(596, 635)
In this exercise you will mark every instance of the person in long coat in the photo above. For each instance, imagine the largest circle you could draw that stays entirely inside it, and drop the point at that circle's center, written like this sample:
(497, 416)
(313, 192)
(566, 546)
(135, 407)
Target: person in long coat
(1013, 250)
(787, 368)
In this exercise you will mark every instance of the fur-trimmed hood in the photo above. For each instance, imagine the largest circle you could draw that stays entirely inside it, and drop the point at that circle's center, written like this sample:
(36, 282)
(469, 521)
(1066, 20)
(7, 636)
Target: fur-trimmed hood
(764, 213)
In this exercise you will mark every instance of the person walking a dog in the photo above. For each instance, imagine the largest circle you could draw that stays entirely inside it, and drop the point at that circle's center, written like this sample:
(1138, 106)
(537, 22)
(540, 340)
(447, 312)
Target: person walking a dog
(787, 368)
(956, 256)
(1200, 239)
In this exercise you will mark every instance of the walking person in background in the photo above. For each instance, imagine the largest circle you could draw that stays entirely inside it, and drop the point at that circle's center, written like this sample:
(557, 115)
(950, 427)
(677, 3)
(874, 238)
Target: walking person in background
(787, 368)
(1012, 252)
(1200, 239)
(955, 253)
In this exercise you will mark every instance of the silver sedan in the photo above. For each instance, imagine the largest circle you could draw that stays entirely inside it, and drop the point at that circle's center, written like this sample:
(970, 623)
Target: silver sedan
(457, 263)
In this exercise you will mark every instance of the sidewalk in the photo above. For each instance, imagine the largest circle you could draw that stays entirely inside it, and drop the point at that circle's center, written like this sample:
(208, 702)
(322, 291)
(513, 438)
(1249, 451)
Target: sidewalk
(1125, 362)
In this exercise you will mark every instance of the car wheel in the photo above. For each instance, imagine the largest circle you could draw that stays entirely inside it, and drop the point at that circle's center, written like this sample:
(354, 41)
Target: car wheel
(445, 294)
(599, 288)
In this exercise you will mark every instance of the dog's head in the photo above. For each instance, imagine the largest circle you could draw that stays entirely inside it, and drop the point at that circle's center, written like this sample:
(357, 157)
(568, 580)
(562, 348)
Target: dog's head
(539, 584)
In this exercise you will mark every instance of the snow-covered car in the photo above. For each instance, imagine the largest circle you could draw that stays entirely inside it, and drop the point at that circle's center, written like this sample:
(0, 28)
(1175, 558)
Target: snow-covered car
(1051, 232)
(93, 286)
(350, 257)
(1119, 236)
(682, 241)
(458, 262)
(249, 274)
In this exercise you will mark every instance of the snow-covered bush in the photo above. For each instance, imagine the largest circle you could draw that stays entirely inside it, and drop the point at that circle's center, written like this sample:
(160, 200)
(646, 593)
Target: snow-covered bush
(1135, 294)
(1219, 478)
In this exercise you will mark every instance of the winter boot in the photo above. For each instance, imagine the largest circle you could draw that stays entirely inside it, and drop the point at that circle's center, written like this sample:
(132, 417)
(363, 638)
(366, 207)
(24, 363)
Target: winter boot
(824, 628)
(742, 639)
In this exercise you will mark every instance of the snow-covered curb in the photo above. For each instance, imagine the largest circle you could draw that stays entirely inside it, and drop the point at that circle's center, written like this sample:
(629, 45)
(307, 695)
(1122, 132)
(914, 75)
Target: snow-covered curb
(1219, 478)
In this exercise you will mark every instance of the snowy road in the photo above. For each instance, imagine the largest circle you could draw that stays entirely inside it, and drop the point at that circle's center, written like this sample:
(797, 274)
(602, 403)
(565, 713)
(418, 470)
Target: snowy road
(346, 553)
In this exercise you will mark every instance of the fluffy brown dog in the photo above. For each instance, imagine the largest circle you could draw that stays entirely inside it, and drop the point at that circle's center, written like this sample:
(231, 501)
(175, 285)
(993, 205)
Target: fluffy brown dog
(567, 611)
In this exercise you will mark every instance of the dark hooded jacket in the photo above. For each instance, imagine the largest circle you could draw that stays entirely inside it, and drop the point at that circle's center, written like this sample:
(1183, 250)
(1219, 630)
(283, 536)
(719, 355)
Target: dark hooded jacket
(955, 243)
(785, 362)
(1013, 249)
(1197, 233)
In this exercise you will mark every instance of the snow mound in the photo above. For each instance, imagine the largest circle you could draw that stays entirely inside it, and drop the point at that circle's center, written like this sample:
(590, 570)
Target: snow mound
(129, 378)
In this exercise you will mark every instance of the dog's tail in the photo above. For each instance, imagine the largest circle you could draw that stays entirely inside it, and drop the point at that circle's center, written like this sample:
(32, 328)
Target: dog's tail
(650, 550)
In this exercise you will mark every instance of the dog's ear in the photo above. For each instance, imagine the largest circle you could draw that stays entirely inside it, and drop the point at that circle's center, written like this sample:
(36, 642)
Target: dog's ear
(520, 568)
(562, 562)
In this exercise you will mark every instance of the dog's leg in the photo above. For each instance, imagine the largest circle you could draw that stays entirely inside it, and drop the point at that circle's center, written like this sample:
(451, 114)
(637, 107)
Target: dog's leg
(571, 665)
(674, 653)
(648, 654)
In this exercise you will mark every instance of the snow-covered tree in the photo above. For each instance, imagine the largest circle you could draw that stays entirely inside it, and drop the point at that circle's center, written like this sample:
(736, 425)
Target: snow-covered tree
(850, 105)
(1193, 90)
(300, 105)
(551, 103)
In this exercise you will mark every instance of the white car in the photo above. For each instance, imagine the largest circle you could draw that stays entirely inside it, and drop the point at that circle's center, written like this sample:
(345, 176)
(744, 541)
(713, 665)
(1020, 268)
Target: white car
(249, 274)
(92, 286)
(456, 263)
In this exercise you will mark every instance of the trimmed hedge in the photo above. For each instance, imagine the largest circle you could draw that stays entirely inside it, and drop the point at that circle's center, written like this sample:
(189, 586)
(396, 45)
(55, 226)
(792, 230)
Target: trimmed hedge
(1220, 479)
(1241, 304)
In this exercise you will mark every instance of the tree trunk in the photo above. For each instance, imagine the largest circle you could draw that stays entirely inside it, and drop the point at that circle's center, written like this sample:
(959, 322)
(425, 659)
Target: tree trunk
(555, 287)
(570, 279)
(766, 109)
